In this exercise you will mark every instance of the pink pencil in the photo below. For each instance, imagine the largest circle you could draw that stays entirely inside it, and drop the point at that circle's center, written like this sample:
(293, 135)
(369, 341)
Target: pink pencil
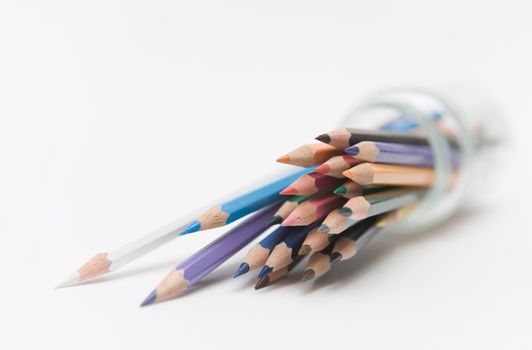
(313, 210)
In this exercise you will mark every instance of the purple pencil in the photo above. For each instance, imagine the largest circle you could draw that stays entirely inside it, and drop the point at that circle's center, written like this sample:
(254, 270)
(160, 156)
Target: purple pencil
(396, 153)
(193, 269)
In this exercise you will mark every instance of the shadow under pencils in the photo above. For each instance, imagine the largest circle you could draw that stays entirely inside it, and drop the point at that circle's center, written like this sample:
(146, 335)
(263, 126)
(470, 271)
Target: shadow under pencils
(348, 272)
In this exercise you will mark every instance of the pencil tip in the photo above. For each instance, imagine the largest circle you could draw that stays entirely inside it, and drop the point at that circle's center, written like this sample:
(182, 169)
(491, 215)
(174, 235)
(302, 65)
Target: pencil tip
(323, 169)
(194, 226)
(324, 229)
(71, 280)
(340, 190)
(242, 269)
(291, 220)
(264, 271)
(150, 299)
(308, 275)
(284, 159)
(289, 191)
(262, 282)
(347, 212)
(324, 138)
(276, 219)
(304, 250)
(335, 257)
(353, 150)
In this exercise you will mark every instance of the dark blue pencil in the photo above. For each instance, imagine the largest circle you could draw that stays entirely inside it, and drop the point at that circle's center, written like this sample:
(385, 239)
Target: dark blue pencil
(285, 252)
(258, 255)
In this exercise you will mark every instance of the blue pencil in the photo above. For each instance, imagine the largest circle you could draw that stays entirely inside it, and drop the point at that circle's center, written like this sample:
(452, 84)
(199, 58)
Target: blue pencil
(401, 123)
(405, 124)
(238, 207)
(287, 250)
(258, 255)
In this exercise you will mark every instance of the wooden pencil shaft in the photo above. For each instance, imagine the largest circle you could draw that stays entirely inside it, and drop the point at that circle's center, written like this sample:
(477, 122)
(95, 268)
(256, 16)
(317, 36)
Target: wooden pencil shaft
(337, 164)
(311, 184)
(284, 252)
(313, 209)
(308, 155)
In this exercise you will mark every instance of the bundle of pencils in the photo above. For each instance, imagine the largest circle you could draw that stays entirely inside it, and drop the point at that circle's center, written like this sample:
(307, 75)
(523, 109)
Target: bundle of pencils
(352, 185)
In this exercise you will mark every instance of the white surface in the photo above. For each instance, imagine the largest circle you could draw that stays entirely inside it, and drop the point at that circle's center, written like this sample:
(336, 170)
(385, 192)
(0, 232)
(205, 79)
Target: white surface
(100, 104)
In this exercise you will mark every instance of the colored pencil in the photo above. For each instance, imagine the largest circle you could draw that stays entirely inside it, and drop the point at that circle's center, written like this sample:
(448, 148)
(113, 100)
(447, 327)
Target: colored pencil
(106, 262)
(285, 252)
(345, 137)
(193, 269)
(315, 241)
(362, 207)
(353, 240)
(390, 175)
(258, 254)
(287, 208)
(351, 189)
(318, 263)
(310, 154)
(277, 275)
(396, 153)
(310, 184)
(239, 207)
(313, 210)
(336, 165)
(344, 247)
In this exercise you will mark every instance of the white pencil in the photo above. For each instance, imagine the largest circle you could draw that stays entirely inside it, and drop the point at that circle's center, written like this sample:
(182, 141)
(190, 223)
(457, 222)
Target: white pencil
(104, 262)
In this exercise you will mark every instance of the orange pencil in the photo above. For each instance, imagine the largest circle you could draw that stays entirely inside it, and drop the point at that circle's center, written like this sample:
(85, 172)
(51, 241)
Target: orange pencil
(391, 175)
(310, 154)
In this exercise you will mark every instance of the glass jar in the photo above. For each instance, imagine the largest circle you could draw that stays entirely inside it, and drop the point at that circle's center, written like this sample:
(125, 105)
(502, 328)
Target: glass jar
(450, 117)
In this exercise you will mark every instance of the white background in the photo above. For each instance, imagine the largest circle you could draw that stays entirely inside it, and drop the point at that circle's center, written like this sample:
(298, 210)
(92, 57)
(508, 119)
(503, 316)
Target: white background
(117, 116)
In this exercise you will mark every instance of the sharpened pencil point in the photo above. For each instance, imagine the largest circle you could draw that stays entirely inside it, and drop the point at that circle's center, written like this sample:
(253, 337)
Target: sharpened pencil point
(323, 169)
(324, 138)
(276, 219)
(291, 220)
(262, 282)
(73, 279)
(340, 190)
(150, 299)
(194, 226)
(242, 269)
(284, 159)
(354, 150)
(304, 250)
(308, 275)
(324, 228)
(335, 257)
(264, 271)
(347, 212)
(289, 191)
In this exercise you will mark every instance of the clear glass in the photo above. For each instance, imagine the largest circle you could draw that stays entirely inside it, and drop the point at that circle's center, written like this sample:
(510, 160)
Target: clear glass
(441, 114)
